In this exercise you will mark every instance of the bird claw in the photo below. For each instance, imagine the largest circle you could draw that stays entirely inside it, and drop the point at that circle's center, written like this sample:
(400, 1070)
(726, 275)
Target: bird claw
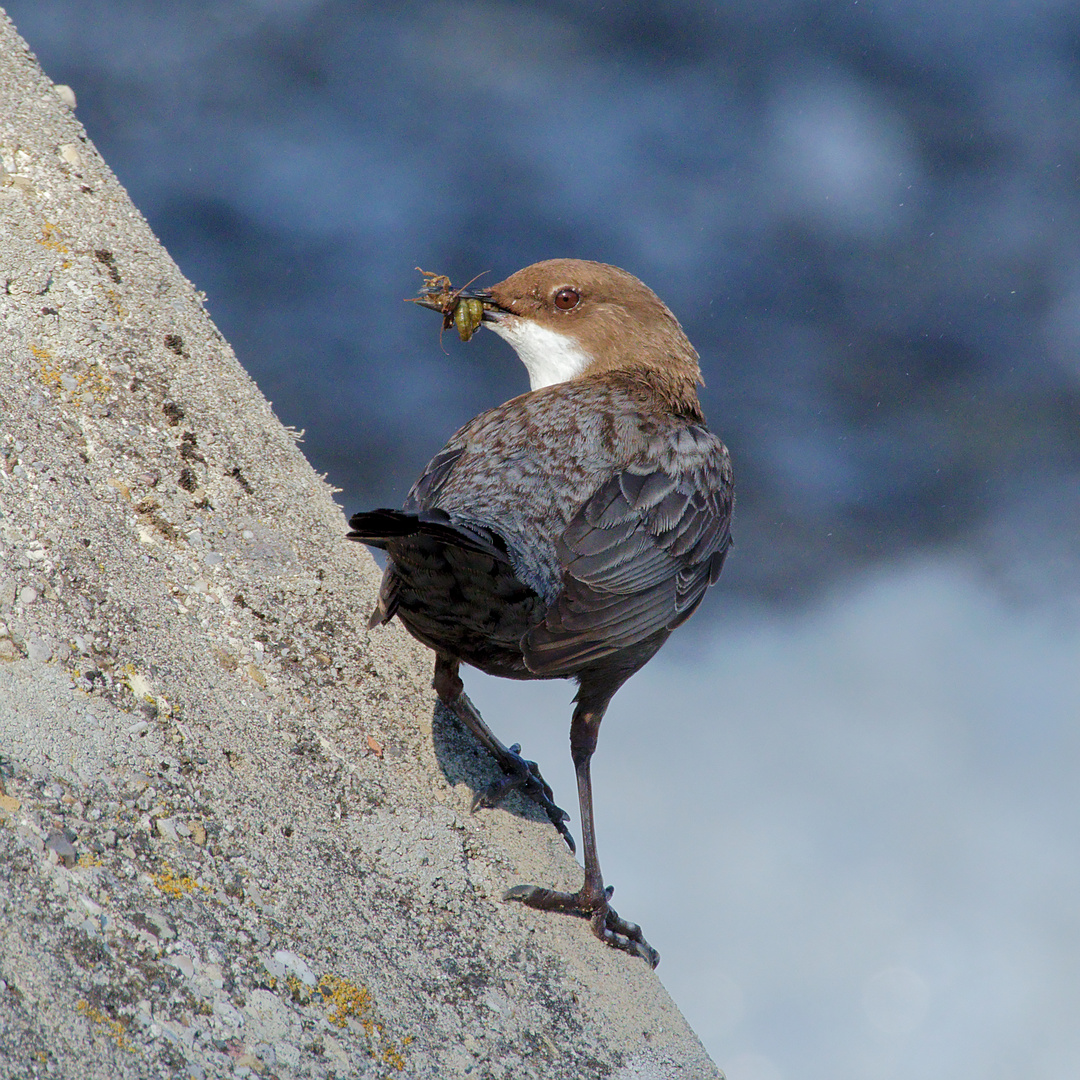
(605, 921)
(524, 776)
(621, 934)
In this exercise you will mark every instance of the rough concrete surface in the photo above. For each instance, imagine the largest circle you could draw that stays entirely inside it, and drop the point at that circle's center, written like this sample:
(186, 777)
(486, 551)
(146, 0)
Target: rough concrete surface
(234, 829)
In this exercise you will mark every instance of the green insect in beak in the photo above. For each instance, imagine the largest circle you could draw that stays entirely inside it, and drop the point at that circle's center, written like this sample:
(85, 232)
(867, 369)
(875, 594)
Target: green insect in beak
(467, 317)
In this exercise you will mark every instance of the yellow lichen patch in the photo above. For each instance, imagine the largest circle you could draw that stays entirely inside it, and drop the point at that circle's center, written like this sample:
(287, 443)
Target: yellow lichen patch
(88, 860)
(345, 999)
(50, 238)
(393, 1057)
(113, 1028)
(171, 885)
(84, 384)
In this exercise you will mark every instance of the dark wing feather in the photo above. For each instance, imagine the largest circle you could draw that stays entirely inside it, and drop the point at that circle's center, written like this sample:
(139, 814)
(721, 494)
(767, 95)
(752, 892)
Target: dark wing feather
(637, 559)
(425, 491)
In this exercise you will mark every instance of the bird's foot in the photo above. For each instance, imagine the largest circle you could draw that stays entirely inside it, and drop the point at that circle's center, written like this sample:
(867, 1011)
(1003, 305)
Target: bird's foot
(524, 776)
(604, 919)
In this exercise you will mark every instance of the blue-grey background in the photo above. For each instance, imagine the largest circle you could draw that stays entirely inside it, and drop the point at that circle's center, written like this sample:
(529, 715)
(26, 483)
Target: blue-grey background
(842, 801)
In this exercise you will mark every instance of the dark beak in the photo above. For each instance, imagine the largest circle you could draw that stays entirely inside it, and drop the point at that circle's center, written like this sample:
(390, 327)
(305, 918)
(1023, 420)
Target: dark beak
(476, 294)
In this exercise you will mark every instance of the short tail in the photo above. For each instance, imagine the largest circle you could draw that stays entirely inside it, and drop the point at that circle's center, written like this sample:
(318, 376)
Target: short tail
(377, 528)
(381, 528)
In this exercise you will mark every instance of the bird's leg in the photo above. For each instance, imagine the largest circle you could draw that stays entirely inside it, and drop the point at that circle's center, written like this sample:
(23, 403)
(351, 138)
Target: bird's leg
(521, 775)
(592, 900)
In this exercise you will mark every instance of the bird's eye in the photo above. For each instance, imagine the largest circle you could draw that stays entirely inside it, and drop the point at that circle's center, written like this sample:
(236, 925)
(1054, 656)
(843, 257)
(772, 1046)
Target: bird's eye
(566, 299)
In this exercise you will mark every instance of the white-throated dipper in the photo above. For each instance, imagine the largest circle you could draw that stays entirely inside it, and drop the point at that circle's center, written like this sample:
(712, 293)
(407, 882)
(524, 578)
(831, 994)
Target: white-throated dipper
(566, 533)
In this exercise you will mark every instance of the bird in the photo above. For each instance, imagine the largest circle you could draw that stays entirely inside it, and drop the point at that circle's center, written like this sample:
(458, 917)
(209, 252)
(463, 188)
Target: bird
(565, 533)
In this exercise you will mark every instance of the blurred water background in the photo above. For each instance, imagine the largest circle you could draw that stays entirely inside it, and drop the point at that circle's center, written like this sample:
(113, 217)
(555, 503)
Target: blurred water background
(842, 801)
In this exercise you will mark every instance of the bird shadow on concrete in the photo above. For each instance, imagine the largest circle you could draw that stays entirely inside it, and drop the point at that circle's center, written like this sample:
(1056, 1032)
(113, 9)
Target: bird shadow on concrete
(463, 760)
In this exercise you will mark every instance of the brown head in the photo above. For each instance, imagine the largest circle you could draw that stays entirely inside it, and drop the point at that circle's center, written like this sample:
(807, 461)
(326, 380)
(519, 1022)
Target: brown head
(569, 319)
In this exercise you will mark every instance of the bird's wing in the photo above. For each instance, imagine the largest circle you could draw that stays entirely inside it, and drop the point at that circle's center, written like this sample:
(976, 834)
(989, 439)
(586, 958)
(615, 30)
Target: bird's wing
(637, 559)
(426, 490)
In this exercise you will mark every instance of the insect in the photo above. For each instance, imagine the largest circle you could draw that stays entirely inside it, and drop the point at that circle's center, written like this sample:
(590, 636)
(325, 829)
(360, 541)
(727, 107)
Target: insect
(464, 313)
(468, 314)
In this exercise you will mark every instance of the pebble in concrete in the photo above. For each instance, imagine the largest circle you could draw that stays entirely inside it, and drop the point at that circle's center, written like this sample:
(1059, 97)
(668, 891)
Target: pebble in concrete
(64, 848)
(284, 963)
(38, 649)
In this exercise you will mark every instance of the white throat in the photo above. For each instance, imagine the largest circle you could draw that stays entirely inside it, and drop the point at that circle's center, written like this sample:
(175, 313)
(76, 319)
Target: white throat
(548, 356)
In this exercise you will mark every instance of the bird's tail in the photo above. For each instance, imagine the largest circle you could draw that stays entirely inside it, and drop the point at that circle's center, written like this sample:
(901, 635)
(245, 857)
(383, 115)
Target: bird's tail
(381, 528)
